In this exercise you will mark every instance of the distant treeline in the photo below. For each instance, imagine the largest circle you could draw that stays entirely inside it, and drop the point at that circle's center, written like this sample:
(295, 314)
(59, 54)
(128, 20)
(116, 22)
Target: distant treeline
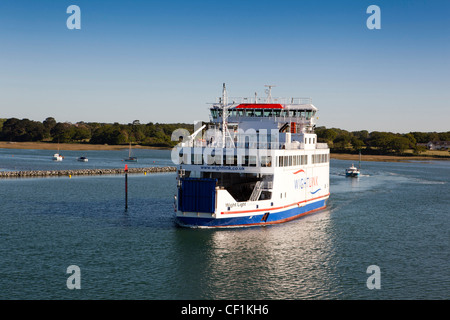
(150, 134)
(159, 134)
(377, 142)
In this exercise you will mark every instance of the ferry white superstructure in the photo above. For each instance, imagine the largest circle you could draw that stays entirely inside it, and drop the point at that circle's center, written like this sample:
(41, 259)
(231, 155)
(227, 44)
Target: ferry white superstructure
(257, 162)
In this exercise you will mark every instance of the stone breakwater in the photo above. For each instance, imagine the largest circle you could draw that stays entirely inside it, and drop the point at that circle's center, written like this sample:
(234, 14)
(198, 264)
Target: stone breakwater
(81, 172)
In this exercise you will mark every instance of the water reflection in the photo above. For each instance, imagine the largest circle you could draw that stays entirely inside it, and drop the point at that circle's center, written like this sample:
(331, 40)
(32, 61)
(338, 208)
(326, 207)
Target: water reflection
(289, 261)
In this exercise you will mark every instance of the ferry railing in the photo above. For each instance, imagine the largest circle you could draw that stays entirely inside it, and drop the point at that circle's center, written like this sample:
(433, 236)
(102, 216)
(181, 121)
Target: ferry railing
(320, 145)
(254, 145)
(281, 100)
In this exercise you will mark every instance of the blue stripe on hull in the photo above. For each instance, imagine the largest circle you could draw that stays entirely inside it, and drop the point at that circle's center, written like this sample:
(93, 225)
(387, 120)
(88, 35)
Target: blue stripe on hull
(250, 220)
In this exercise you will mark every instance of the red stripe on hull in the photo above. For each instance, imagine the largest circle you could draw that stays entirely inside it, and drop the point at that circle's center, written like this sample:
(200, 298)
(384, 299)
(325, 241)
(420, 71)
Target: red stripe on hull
(274, 222)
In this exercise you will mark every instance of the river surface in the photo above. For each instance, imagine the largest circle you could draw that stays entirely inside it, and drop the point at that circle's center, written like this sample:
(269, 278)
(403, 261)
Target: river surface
(396, 216)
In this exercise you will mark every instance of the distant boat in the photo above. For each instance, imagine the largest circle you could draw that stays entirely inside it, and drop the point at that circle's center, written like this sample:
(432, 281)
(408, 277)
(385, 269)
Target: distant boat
(130, 157)
(57, 156)
(83, 159)
(353, 171)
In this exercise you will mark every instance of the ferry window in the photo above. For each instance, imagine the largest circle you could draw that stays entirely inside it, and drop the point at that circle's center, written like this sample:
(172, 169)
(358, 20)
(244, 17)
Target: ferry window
(266, 161)
(240, 113)
(267, 113)
(252, 161)
(308, 115)
(258, 113)
(304, 159)
(196, 158)
(250, 113)
(277, 113)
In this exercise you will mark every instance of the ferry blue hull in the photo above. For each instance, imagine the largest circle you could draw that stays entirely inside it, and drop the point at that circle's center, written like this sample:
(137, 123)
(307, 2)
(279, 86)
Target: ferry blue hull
(252, 220)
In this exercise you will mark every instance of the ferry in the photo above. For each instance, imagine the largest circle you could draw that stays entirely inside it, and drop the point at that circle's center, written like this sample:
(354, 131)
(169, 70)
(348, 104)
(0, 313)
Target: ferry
(257, 162)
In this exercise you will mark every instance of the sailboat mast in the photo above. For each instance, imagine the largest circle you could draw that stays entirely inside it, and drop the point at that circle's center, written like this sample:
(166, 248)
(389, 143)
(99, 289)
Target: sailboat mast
(360, 158)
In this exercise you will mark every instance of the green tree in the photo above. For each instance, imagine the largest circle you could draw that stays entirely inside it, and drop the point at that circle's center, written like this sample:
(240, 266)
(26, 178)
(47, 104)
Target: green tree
(22, 130)
(357, 144)
(399, 144)
(62, 132)
(49, 123)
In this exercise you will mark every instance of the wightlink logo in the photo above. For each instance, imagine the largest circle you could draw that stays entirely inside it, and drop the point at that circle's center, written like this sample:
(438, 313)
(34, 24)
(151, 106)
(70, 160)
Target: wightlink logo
(306, 182)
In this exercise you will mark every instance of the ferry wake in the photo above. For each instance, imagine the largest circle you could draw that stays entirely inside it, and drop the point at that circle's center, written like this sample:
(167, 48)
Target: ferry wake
(257, 162)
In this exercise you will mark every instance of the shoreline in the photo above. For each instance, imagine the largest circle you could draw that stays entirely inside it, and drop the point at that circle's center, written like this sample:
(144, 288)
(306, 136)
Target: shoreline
(383, 158)
(82, 146)
(70, 146)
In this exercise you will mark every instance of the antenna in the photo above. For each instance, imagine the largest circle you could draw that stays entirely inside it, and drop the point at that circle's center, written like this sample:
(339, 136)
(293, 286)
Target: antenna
(224, 95)
(224, 114)
(269, 92)
(225, 132)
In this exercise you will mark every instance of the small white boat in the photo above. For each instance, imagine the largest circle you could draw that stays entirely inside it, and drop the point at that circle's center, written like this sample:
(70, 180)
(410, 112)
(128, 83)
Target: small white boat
(83, 159)
(352, 171)
(57, 157)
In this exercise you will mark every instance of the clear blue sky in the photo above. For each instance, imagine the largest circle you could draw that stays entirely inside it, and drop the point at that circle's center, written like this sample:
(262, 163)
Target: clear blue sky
(162, 61)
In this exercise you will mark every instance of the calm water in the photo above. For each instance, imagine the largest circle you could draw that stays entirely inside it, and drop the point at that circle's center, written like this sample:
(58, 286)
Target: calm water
(395, 216)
